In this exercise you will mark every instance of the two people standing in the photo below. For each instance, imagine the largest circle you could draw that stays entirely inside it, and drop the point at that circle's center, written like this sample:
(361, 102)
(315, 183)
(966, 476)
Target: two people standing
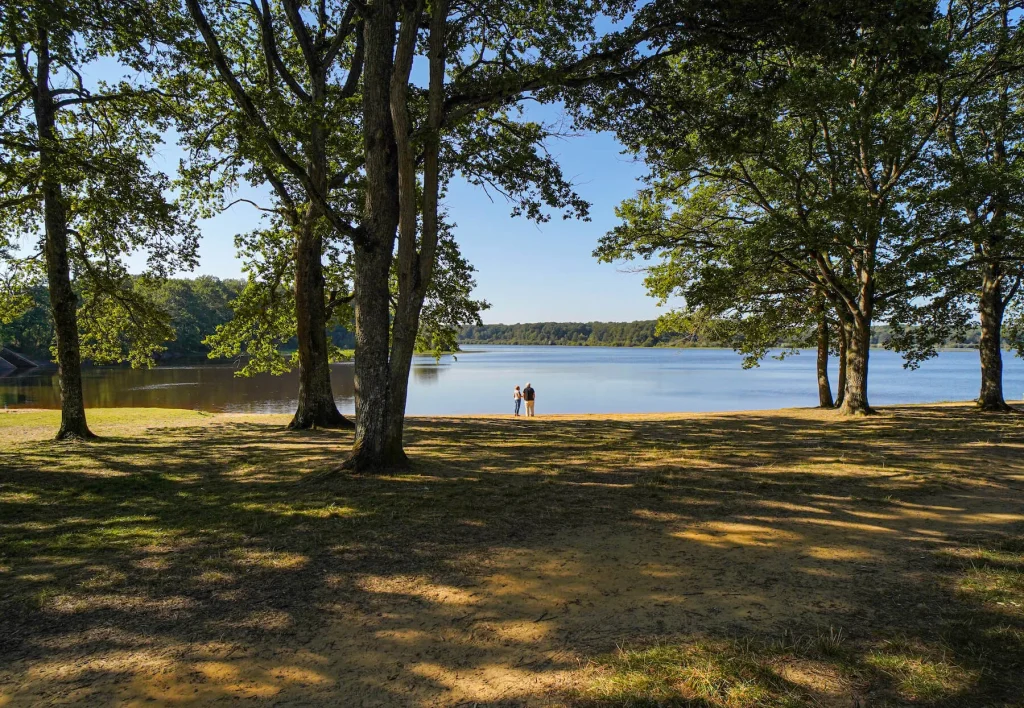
(528, 395)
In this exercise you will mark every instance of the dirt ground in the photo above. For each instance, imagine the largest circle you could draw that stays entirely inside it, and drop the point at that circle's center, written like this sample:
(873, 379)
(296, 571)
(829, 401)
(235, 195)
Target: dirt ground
(187, 558)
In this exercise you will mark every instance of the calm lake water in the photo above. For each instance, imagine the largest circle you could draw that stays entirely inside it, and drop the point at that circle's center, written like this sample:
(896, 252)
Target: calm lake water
(567, 380)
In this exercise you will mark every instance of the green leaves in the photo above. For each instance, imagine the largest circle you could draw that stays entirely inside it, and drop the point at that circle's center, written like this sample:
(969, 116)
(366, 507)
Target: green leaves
(85, 147)
(797, 170)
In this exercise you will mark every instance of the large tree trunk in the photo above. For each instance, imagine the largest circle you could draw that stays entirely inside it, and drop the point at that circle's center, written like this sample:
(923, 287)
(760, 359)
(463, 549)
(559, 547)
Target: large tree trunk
(372, 366)
(990, 301)
(317, 407)
(372, 252)
(824, 388)
(63, 305)
(855, 396)
(859, 312)
(990, 312)
(63, 301)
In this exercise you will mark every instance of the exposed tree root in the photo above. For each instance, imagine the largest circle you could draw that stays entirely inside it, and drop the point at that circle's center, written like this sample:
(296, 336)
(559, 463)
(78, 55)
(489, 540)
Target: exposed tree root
(330, 420)
(76, 436)
(997, 407)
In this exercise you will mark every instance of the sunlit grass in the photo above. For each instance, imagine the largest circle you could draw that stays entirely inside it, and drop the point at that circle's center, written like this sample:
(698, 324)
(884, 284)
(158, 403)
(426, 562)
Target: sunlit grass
(720, 674)
(919, 672)
(178, 528)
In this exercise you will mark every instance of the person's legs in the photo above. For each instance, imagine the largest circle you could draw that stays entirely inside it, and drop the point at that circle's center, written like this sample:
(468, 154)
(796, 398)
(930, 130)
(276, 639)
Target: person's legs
(519, 402)
(529, 409)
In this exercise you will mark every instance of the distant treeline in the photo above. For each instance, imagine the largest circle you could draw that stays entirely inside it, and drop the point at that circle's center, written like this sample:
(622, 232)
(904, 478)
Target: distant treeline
(595, 334)
(196, 308)
(642, 333)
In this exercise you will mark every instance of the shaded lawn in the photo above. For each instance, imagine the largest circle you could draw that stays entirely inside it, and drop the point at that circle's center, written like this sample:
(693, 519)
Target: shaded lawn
(775, 558)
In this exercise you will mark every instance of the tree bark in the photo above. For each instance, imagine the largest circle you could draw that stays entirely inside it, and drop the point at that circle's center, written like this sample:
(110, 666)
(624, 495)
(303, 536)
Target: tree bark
(990, 312)
(372, 254)
(824, 387)
(415, 261)
(63, 300)
(316, 407)
(855, 396)
(990, 300)
(844, 338)
(860, 311)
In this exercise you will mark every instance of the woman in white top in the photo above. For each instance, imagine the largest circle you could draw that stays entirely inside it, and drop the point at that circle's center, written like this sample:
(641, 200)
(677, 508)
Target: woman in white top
(517, 396)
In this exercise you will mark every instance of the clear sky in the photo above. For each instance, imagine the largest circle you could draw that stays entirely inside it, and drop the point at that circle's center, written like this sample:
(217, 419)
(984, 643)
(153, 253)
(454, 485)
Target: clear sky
(528, 272)
(546, 272)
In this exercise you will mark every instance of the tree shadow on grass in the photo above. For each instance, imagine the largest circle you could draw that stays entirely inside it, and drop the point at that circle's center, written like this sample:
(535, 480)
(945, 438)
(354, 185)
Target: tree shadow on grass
(188, 563)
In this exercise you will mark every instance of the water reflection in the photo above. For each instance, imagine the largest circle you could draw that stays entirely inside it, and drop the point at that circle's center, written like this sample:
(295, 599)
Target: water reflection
(427, 373)
(207, 388)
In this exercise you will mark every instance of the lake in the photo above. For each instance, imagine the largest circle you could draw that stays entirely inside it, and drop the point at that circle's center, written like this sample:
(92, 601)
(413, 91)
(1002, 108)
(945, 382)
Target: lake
(567, 380)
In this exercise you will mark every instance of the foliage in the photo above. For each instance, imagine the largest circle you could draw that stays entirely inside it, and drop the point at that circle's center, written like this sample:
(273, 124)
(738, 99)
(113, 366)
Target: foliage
(31, 331)
(105, 197)
(195, 309)
(783, 179)
(602, 334)
(449, 305)
(675, 330)
(180, 312)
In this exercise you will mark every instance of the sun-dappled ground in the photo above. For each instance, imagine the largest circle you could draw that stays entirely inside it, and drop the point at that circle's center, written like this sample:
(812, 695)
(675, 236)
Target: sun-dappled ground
(764, 558)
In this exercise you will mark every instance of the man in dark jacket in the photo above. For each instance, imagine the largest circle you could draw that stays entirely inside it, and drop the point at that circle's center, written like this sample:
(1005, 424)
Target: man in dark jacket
(529, 395)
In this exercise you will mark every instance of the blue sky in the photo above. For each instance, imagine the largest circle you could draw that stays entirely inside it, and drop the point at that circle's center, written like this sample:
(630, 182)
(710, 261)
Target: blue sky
(545, 272)
(528, 272)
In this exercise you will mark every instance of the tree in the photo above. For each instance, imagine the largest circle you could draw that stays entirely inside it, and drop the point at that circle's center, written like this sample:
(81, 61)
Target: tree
(746, 301)
(74, 171)
(271, 102)
(282, 129)
(808, 163)
(982, 178)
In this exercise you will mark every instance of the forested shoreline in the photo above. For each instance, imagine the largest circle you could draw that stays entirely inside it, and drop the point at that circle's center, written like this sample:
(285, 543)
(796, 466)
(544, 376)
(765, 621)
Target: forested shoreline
(644, 333)
(196, 307)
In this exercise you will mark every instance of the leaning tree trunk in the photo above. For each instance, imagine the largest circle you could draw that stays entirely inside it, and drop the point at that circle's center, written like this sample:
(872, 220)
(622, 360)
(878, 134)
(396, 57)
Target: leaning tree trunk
(824, 388)
(403, 344)
(372, 252)
(844, 338)
(63, 301)
(415, 264)
(317, 407)
(990, 312)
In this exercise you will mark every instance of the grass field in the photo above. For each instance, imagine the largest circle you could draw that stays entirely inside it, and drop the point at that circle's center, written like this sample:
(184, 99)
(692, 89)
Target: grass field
(756, 559)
